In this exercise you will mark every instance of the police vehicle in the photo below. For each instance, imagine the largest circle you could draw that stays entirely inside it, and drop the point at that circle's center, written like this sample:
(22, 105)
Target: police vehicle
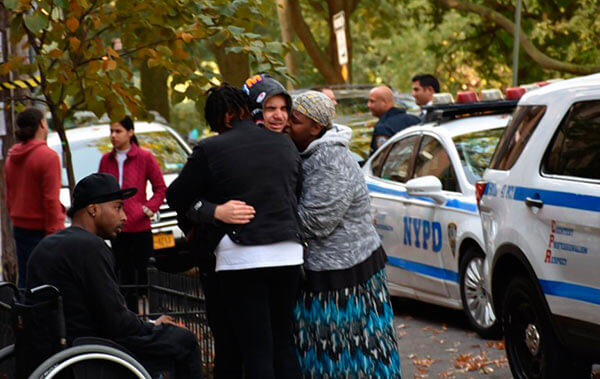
(540, 211)
(421, 184)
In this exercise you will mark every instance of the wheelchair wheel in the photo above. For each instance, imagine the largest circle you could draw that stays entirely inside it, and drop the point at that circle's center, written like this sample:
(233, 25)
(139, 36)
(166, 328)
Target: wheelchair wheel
(90, 361)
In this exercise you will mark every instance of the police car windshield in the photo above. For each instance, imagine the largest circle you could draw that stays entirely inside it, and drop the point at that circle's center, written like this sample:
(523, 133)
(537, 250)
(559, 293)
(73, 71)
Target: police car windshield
(475, 151)
(169, 153)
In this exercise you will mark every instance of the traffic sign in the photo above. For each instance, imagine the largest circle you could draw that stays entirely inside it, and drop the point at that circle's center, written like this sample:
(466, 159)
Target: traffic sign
(339, 27)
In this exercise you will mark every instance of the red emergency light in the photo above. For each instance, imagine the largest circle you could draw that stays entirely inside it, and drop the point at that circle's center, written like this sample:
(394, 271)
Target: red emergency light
(466, 97)
(515, 93)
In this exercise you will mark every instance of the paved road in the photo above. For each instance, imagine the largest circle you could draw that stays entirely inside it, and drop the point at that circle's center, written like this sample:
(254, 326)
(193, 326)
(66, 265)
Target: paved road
(436, 342)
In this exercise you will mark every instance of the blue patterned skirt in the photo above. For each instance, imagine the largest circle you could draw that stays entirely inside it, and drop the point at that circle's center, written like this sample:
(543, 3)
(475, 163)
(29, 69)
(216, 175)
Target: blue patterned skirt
(347, 333)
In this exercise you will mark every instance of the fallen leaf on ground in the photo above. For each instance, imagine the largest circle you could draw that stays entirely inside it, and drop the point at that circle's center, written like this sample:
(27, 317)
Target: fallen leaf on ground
(447, 374)
(423, 363)
(411, 356)
(401, 326)
(470, 362)
(498, 345)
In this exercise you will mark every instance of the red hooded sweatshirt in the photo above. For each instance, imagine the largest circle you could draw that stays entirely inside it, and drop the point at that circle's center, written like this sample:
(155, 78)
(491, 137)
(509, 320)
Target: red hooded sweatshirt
(33, 187)
(139, 167)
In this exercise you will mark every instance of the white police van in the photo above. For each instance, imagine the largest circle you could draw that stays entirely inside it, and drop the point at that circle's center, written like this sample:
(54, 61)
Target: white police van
(540, 211)
(421, 184)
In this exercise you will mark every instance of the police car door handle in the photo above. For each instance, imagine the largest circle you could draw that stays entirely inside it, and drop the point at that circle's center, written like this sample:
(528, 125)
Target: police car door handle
(530, 202)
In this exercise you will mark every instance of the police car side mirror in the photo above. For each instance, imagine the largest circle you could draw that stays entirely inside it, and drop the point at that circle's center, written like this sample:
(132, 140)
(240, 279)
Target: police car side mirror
(426, 186)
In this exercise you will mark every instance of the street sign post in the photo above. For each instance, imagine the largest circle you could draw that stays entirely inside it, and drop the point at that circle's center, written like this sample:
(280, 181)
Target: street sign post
(339, 27)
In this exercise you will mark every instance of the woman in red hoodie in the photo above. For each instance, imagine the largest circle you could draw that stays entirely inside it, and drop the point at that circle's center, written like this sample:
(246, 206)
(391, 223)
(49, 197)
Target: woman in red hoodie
(133, 167)
(32, 187)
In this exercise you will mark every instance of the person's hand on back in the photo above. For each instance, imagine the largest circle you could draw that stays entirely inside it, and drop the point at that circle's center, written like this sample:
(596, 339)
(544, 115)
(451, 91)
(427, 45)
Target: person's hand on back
(234, 212)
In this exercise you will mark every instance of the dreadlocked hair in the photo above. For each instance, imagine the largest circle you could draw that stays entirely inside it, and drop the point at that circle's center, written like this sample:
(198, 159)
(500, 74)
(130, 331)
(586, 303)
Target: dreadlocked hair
(222, 100)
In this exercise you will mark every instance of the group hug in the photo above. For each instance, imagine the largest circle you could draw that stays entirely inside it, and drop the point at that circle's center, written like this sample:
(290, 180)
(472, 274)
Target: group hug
(277, 211)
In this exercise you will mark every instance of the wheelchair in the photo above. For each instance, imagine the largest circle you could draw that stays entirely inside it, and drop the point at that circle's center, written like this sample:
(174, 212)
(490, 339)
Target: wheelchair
(32, 326)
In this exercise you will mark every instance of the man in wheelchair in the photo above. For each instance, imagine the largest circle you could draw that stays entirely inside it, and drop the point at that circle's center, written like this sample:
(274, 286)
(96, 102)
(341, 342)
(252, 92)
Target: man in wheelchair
(78, 262)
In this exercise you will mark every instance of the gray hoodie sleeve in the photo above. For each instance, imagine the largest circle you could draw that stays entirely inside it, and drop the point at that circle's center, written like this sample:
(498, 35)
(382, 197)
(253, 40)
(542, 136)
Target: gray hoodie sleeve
(326, 196)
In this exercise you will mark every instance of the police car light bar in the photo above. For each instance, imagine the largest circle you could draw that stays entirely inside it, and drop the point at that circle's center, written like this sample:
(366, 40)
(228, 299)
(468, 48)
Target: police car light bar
(491, 95)
(446, 112)
(515, 93)
(466, 97)
(442, 98)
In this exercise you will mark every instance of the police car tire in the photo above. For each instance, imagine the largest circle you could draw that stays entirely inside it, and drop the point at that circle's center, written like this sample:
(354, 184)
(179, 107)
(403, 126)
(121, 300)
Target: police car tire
(522, 306)
(492, 332)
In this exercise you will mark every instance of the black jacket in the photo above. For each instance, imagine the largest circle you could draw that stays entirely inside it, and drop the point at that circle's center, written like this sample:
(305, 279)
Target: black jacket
(390, 123)
(81, 266)
(246, 163)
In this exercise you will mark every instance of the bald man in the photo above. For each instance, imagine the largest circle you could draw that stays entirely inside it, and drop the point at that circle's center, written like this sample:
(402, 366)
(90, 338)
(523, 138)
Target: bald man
(391, 119)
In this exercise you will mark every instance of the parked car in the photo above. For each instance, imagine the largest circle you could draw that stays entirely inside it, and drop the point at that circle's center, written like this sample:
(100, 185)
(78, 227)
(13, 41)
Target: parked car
(540, 211)
(422, 188)
(88, 144)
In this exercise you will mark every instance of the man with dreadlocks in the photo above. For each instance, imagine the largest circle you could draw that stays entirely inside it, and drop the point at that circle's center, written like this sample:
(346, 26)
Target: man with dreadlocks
(258, 261)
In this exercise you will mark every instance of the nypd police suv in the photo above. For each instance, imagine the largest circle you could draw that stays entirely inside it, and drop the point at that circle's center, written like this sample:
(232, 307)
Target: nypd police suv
(540, 210)
(421, 184)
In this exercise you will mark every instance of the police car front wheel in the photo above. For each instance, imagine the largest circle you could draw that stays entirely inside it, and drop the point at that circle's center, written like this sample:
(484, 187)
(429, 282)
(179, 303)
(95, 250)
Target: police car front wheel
(531, 346)
(475, 298)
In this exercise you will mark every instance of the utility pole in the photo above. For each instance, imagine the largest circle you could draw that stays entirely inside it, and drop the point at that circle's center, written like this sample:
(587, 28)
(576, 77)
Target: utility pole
(515, 69)
(287, 36)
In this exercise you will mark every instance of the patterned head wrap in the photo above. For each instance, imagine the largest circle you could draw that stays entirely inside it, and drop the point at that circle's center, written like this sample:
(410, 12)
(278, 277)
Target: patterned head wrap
(316, 106)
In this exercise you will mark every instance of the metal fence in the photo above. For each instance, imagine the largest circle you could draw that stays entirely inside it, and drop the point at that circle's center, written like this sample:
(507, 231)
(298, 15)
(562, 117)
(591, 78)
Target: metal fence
(181, 297)
(176, 295)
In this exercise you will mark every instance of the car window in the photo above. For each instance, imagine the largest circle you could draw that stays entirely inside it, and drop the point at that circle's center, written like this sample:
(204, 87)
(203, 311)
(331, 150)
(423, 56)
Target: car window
(397, 164)
(86, 154)
(575, 149)
(515, 137)
(475, 151)
(432, 159)
(379, 159)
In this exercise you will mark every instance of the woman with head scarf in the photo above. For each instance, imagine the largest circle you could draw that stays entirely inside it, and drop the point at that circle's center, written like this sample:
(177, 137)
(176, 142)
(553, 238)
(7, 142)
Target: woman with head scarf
(344, 318)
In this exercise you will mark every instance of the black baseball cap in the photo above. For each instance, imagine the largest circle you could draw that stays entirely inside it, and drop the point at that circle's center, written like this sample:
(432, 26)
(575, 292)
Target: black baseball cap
(95, 189)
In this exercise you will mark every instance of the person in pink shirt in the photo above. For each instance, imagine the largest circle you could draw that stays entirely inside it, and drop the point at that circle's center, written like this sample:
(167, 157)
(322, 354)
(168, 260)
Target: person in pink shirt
(133, 166)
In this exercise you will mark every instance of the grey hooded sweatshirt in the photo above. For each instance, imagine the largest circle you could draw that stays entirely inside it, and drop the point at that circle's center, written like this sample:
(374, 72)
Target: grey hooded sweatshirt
(334, 206)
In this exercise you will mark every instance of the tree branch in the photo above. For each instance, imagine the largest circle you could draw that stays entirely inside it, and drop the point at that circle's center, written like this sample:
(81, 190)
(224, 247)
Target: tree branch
(319, 59)
(534, 53)
(317, 6)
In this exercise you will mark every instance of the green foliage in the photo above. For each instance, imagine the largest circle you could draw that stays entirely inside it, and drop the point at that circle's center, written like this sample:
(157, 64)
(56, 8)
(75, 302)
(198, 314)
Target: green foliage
(186, 116)
(81, 69)
(394, 40)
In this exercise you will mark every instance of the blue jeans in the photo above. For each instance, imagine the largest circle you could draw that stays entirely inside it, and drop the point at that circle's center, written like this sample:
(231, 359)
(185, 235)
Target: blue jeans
(26, 240)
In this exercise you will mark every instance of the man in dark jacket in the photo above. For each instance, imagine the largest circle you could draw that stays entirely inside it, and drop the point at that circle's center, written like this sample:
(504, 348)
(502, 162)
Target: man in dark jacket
(78, 262)
(391, 119)
(257, 262)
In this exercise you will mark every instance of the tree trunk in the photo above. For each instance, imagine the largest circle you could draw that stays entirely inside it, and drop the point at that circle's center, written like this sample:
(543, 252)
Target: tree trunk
(234, 67)
(155, 93)
(326, 67)
(534, 53)
(287, 36)
(8, 256)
